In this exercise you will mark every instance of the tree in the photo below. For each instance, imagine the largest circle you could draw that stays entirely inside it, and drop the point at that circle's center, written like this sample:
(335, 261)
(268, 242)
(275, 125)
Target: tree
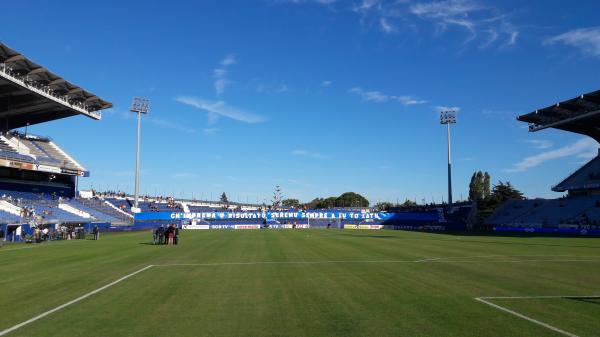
(479, 187)
(277, 197)
(409, 203)
(486, 186)
(313, 203)
(224, 199)
(503, 192)
(500, 193)
(351, 199)
(383, 206)
(473, 187)
(291, 203)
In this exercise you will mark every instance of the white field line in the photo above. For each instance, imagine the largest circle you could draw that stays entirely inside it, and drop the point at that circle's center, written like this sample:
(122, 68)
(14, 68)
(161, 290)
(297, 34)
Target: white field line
(11, 249)
(214, 264)
(532, 320)
(535, 297)
(42, 315)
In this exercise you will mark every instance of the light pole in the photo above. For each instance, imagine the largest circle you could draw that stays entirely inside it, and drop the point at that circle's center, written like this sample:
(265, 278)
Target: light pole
(448, 117)
(139, 106)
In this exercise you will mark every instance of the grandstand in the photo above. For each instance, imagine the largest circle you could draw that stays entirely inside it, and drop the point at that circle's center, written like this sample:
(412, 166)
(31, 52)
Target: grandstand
(579, 210)
(38, 179)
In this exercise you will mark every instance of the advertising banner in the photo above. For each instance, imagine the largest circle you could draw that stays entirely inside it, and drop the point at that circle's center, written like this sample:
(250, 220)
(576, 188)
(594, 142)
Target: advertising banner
(298, 215)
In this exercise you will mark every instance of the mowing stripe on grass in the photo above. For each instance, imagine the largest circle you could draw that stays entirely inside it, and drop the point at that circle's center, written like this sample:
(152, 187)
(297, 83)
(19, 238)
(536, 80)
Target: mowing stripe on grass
(42, 315)
(532, 320)
(11, 249)
(431, 260)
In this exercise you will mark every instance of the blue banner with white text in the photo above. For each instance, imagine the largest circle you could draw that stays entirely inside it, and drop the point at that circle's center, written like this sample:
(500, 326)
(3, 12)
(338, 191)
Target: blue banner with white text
(332, 215)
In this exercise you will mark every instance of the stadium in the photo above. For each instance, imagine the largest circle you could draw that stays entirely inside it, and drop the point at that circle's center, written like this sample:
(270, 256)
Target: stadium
(77, 262)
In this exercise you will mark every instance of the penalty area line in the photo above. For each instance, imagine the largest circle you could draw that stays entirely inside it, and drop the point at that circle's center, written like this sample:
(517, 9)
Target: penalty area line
(484, 300)
(80, 298)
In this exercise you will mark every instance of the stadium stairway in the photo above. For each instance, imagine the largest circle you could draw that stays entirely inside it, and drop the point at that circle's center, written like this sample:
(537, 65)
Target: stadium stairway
(9, 213)
(102, 209)
(68, 208)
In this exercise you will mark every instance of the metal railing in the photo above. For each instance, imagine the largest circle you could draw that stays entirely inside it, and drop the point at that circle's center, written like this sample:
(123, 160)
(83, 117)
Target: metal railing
(7, 73)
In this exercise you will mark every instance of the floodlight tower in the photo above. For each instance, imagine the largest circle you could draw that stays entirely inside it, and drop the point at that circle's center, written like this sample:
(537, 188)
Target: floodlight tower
(139, 106)
(448, 117)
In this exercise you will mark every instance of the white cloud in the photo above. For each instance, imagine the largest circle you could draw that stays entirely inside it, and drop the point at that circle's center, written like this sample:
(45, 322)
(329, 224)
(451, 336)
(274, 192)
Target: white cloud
(210, 131)
(326, 83)
(386, 26)
(445, 9)
(220, 108)
(228, 60)
(486, 23)
(220, 74)
(441, 108)
(371, 96)
(581, 149)
(314, 155)
(170, 125)
(540, 144)
(366, 5)
(587, 40)
(379, 97)
(470, 15)
(409, 100)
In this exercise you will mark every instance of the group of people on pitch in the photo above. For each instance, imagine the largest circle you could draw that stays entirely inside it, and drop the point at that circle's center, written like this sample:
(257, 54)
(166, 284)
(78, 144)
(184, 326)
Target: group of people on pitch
(166, 235)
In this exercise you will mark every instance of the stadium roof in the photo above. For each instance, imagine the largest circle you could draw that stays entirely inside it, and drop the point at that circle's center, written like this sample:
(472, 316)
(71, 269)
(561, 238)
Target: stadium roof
(31, 94)
(580, 115)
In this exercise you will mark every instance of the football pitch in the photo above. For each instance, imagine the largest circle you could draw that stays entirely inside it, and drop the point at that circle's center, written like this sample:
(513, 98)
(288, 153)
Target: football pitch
(302, 283)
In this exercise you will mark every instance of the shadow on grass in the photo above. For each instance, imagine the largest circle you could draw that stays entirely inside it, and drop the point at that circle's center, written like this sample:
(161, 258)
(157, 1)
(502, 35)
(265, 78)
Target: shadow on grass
(591, 300)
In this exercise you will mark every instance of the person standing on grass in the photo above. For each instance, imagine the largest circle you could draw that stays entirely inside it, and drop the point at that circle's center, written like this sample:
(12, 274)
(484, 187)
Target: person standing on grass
(96, 232)
(161, 235)
(175, 234)
(155, 236)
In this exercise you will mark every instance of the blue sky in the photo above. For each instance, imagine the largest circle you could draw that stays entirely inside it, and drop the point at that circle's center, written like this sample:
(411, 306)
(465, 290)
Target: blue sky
(321, 96)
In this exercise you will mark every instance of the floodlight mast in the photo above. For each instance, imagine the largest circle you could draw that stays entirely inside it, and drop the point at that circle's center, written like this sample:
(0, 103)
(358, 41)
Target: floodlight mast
(139, 106)
(449, 117)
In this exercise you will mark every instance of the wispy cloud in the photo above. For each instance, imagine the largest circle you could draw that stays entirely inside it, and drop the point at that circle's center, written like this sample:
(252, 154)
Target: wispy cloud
(380, 97)
(210, 131)
(386, 26)
(271, 88)
(310, 154)
(540, 144)
(220, 74)
(220, 108)
(484, 23)
(326, 83)
(366, 5)
(587, 40)
(170, 125)
(441, 108)
(473, 16)
(583, 148)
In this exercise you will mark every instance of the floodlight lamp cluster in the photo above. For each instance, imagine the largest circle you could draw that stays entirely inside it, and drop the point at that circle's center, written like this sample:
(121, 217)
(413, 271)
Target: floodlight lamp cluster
(141, 105)
(448, 117)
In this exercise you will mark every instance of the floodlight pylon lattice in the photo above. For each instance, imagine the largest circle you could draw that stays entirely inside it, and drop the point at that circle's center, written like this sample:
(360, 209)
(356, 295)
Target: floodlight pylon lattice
(449, 117)
(139, 106)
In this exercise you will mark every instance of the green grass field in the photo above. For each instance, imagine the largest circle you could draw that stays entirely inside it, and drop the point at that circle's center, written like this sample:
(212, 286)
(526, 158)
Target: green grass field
(302, 283)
